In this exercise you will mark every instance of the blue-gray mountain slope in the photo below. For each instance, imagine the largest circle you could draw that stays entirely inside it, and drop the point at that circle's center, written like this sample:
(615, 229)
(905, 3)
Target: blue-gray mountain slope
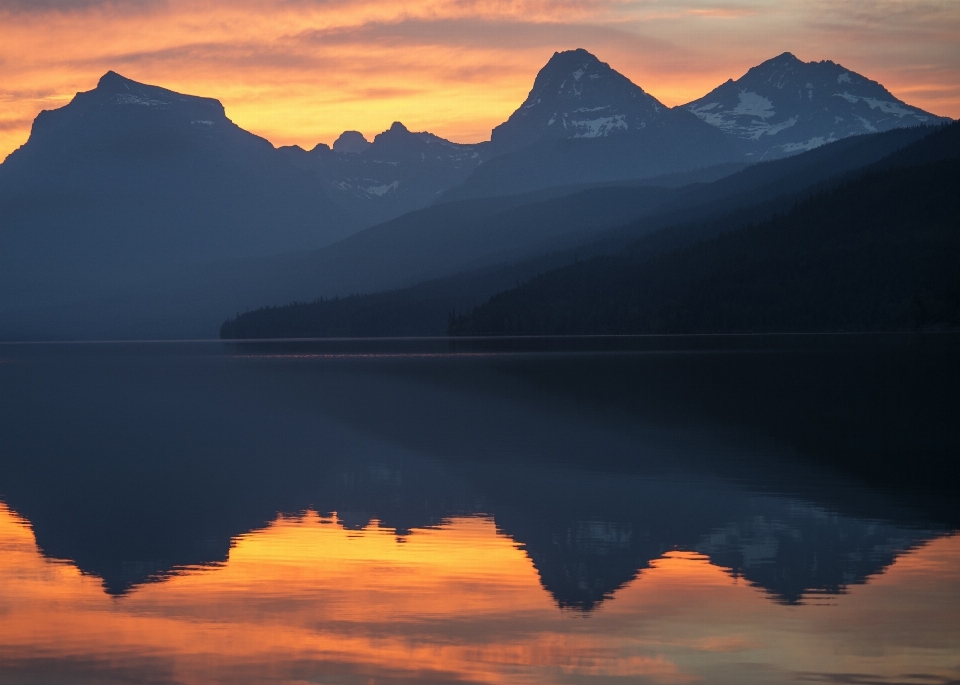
(130, 179)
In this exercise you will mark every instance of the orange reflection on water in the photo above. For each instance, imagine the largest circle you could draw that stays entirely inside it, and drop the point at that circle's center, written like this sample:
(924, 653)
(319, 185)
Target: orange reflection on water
(305, 600)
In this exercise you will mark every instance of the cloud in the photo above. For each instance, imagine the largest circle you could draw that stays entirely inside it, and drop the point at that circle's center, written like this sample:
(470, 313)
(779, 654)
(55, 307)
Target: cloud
(722, 12)
(481, 33)
(69, 6)
(896, 20)
(15, 124)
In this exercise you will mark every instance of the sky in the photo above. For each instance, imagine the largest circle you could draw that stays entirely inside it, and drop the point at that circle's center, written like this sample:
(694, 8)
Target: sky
(302, 71)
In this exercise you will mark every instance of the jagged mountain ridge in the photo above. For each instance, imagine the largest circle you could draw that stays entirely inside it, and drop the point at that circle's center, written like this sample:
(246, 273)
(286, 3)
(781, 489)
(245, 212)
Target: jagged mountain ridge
(785, 106)
(399, 171)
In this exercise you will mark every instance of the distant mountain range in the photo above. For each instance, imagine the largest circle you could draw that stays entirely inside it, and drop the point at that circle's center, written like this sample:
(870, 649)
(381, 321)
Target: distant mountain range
(495, 245)
(133, 194)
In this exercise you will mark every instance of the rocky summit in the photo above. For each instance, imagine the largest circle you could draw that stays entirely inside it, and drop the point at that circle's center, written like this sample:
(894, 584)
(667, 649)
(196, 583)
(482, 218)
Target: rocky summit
(577, 96)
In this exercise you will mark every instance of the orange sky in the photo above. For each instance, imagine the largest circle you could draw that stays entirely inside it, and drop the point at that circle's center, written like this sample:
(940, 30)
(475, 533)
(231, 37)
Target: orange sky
(302, 71)
(305, 600)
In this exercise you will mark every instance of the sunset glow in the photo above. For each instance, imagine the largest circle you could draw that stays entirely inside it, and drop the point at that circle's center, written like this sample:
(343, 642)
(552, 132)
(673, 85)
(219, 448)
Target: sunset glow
(301, 71)
(305, 597)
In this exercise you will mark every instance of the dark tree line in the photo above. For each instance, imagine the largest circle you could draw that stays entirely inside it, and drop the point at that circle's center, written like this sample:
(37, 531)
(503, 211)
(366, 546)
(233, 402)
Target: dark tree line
(356, 316)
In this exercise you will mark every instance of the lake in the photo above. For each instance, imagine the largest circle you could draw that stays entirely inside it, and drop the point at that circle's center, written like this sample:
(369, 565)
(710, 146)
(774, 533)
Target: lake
(717, 509)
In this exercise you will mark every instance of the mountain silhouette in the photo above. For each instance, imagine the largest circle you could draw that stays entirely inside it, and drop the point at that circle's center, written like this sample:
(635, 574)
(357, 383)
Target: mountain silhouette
(137, 211)
(130, 179)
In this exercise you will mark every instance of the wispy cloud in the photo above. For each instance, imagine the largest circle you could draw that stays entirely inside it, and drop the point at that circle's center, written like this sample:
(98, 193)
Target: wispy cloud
(14, 124)
(722, 12)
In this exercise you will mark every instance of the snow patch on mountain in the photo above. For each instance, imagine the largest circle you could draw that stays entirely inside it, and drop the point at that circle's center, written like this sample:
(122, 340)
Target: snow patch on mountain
(776, 128)
(129, 99)
(603, 126)
(886, 106)
(380, 191)
(804, 146)
(753, 105)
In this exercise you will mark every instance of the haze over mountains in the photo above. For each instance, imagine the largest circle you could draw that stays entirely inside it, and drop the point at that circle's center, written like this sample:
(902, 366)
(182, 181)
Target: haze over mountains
(495, 246)
(127, 211)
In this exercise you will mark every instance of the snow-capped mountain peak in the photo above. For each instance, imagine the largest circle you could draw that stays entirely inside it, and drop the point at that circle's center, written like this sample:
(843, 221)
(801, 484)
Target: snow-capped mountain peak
(577, 96)
(785, 105)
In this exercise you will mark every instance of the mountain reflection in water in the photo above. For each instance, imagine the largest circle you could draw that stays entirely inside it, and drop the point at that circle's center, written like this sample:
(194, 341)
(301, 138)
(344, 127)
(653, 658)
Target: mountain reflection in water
(731, 509)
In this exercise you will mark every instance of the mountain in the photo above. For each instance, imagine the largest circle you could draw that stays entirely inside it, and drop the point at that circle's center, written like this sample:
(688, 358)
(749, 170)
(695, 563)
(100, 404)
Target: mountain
(878, 253)
(131, 183)
(784, 106)
(496, 243)
(577, 96)
(398, 172)
(137, 211)
(129, 179)
(583, 122)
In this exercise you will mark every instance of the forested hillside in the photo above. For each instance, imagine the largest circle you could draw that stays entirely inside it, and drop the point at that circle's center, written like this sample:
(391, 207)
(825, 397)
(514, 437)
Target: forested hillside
(878, 253)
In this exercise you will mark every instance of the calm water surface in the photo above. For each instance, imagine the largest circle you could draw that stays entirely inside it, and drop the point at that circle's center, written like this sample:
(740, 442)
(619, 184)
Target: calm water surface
(715, 509)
